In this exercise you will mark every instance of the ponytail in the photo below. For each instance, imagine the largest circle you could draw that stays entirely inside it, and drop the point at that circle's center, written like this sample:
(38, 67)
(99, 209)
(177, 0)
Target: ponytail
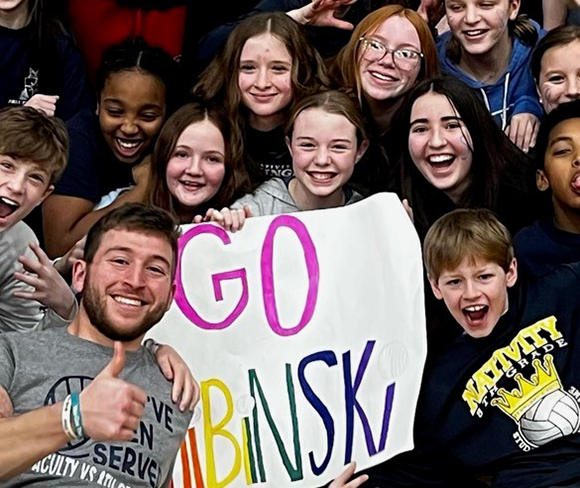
(524, 30)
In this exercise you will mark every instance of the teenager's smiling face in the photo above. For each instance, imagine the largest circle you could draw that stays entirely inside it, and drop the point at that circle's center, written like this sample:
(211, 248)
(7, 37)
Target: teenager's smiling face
(265, 80)
(440, 144)
(324, 150)
(480, 26)
(475, 293)
(196, 169)
(385, 78)
(559, 80)
(131, 112)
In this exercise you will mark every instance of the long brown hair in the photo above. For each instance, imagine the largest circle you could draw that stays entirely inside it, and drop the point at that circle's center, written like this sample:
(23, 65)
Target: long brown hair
(220, 78)
(235, 182)
(345, 69)
(496, 161)
(219, 81)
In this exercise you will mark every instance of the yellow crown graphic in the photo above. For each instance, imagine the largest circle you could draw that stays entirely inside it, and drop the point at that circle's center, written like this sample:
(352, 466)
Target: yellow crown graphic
(543, 381)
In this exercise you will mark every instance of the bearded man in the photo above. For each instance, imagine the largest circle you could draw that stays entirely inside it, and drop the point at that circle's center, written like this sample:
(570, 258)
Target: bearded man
(87, 404)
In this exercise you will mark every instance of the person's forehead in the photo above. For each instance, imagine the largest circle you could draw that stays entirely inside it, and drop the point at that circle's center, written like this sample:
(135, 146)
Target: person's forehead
(563, 55)
(145, 244)
(569, 127)
(397, 29)
(28, 164)
(469, 264)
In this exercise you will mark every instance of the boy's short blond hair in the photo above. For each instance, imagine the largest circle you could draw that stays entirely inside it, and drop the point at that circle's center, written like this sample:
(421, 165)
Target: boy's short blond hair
(466, 233)
(30, 135)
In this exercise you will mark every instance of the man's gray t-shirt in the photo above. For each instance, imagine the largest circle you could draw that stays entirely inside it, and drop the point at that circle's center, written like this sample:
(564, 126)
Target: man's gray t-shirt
(42, 368)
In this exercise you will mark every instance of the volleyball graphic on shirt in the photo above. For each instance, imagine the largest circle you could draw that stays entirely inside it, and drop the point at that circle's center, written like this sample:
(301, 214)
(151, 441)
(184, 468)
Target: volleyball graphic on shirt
(555, 415)
(539, 405)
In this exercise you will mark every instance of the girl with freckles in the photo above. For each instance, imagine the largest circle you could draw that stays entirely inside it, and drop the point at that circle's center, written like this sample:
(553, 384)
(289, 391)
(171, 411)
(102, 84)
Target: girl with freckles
(457, 157)
(389, 52)
(489, 48)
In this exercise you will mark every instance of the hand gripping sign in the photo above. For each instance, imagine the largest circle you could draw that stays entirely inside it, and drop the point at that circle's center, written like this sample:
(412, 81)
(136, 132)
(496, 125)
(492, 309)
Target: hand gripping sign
(306, 332)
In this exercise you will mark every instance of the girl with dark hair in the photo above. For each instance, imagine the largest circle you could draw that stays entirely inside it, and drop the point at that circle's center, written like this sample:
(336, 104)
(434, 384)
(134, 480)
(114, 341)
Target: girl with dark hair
(40, 66)
(556, 66)
(195, 164)
(457, 157)
(266, 63)
(136, 90)
(489, 47)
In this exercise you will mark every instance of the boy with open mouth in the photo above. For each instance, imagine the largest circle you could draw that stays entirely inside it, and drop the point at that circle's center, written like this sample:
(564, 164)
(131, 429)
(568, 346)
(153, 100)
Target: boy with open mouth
(33, 154)
(502, 401)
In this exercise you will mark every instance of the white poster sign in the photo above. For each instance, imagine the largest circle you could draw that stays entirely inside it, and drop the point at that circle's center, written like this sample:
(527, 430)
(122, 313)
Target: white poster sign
(306, 333)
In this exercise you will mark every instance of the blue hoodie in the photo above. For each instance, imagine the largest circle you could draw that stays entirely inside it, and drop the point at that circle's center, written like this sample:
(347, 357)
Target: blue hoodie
(513, 93)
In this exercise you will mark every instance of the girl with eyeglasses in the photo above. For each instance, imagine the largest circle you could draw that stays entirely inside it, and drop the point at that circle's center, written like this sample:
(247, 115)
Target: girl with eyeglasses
(489, 48)
(389, 52)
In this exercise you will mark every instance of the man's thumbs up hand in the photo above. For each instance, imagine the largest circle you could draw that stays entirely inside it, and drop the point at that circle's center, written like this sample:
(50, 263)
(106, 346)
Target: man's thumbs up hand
(111, 408)
(116, 365)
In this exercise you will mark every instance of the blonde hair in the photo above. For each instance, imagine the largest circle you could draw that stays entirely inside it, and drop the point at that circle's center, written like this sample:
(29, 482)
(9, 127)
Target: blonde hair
(345, 69)
(466, 233)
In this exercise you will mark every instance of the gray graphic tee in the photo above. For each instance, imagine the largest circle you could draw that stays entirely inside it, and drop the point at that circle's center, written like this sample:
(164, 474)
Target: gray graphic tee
(42, 368)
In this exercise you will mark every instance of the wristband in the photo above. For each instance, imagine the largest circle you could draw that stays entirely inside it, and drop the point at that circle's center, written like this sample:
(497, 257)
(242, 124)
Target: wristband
(66, 419)
(152, 346)
(76, 417)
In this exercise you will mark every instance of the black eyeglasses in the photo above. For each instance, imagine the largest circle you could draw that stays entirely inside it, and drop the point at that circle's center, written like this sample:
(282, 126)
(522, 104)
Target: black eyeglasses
(403, 58)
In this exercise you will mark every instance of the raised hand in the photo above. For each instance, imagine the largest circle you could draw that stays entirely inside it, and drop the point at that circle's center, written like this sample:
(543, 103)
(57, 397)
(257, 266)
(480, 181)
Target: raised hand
(110, 407)
(50, 288)
(323, 13)
(44, 103)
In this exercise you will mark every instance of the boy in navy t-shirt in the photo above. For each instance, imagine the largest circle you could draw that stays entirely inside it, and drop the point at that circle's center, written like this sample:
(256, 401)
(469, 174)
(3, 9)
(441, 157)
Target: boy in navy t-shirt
(555, 240)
